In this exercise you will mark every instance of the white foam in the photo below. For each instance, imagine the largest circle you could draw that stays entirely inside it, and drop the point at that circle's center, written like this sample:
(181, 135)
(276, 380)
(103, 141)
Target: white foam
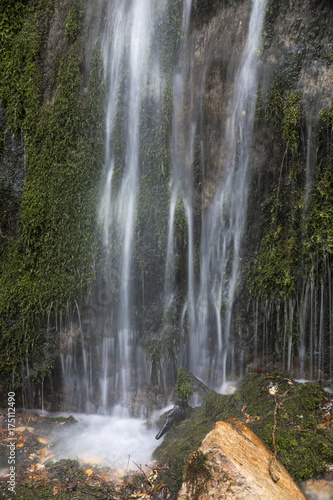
(228, 387)
(113, 441)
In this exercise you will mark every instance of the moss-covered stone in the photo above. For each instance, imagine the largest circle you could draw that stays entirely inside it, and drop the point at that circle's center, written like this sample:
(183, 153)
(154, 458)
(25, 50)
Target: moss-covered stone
(74, 22)
(305, 449)
(62, 420)
(292, 120)
(320, 212)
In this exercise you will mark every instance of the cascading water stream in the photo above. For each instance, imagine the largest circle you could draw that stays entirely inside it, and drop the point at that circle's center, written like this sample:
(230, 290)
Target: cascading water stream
(223, 221)
(112, 363)
(181, 154)
(226, 218)
(128, 48)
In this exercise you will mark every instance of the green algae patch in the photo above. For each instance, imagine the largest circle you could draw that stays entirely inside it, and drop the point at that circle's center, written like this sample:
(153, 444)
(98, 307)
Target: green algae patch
(304, 444)
(184, 387)
(66, 478)
(304, 439)
(63, 420)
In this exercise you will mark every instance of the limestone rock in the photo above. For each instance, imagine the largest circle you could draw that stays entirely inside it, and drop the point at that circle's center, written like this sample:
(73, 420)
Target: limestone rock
(233, 463)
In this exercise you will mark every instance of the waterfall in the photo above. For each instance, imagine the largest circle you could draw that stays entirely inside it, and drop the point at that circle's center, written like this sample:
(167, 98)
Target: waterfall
(130, 56)
(112, 356)
(225, 219)
(222, 222)
(182, 138)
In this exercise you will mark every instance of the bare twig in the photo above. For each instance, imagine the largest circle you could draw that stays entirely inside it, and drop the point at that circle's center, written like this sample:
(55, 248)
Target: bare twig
(143, 472)
(278, 405)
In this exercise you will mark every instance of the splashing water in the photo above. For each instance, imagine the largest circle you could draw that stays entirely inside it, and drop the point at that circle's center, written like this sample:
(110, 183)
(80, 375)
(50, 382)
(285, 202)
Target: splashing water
(112, 441)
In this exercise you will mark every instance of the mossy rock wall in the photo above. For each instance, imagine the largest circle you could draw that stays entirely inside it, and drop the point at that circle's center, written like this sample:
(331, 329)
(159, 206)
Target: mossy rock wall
(54, 121)
(288, 248)
(55, 275)
(283, 305)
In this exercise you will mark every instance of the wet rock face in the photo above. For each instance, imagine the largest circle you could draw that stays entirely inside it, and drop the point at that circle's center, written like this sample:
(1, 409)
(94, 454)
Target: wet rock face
(232, 462)
(296, 55)
(296, 46)
(218, 42)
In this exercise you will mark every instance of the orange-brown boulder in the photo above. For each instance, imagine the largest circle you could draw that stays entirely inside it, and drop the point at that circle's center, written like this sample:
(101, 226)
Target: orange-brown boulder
(233, 463)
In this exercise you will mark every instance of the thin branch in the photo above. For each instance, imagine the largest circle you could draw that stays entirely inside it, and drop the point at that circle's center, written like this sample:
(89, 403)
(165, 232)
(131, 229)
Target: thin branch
(273, 460)
(143, 472)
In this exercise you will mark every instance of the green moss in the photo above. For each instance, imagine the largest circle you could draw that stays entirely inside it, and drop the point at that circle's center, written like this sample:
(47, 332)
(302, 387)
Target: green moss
(50, 265)
(274, 107)
(275, 267)
(184, 387)
(275, 270)
(320, 216)
(292, 120)
(63, 420)
(23, 28)
(9, 208)
(329, 56)
(297, 419)
(66, 478)
(74, 22)
(271, 13)
(326, 117)
(302, 448)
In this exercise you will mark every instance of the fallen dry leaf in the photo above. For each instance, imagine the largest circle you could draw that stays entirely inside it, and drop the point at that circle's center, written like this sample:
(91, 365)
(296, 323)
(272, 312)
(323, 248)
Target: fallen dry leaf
(42, 440)
(46, 457)
(25, 428)
(42, 451)
(56, 490)
(273, 390)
